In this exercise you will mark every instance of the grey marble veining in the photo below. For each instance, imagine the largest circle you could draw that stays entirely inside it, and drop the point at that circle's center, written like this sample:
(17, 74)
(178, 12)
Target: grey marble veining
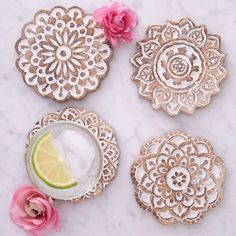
(116, 212)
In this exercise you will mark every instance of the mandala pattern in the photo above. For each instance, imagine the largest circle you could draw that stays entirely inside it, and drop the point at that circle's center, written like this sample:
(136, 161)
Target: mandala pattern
(178, 178)
(63, 53)
(102, 132)
(178, 66)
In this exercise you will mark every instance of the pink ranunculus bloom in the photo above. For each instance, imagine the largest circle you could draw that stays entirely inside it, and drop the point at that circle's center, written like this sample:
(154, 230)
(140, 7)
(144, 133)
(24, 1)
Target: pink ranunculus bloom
(118, 22)
(34, 211)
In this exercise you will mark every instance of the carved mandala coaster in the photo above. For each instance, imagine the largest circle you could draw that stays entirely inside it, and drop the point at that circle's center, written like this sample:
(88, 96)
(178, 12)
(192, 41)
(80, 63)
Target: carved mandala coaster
(178, 66)
(99, 135)
(63, 53)
(178, 178)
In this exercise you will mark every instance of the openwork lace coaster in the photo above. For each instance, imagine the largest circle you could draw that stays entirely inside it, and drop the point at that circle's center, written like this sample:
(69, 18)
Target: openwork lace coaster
(63, 53)
(178, 66)
(178, 178)
(85, 141)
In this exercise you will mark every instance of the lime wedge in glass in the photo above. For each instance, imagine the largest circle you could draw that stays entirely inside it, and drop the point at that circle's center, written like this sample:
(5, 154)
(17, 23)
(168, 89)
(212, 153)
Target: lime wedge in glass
(64, 160)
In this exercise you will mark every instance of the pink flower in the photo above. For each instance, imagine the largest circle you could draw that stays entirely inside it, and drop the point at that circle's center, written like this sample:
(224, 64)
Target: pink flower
(34, 211)
(118, 22)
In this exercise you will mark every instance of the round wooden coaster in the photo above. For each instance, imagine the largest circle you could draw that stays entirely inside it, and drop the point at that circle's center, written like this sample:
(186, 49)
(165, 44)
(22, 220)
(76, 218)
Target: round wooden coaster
(178, 178)
(92, 132)
(63, 53)
(178, 66)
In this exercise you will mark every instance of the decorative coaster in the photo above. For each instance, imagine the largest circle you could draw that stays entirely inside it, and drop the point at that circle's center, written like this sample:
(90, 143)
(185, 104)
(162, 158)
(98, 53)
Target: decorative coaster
(178, 66)
(63, 53)
(82, 141)
(178, 178)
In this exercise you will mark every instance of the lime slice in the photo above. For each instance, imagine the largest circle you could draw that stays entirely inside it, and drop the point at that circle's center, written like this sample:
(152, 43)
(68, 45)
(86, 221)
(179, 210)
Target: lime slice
(50, 166)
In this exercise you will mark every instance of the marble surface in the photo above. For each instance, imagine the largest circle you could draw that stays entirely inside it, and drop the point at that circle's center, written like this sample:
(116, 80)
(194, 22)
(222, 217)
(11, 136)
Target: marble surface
(116, 212)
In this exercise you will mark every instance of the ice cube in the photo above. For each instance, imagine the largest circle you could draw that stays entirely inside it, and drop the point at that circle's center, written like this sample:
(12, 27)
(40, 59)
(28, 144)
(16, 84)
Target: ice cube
(77, 150)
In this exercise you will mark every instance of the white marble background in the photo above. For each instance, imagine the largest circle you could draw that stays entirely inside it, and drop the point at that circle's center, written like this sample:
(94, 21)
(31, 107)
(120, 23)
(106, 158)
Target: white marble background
(116, 212)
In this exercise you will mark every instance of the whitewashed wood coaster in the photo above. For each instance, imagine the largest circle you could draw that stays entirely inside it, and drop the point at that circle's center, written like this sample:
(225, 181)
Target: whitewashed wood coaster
(63, 53)
(86, 140)
(178, 178)
(178, 66)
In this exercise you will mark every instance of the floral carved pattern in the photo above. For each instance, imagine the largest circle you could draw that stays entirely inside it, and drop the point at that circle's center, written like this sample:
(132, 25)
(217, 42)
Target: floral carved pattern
(178, 178)
(101, 131)
(63, 53)
(178, 66)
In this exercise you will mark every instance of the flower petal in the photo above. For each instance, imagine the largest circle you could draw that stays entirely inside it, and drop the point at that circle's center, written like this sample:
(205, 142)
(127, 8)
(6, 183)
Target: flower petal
(198, 35)
(213, 58)
(185, 26)
(213, 41)
(145, 74)
(170, 32)
(100, 13)
(209, 86)
(154, 32)
(187, 100)
(149, 48)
